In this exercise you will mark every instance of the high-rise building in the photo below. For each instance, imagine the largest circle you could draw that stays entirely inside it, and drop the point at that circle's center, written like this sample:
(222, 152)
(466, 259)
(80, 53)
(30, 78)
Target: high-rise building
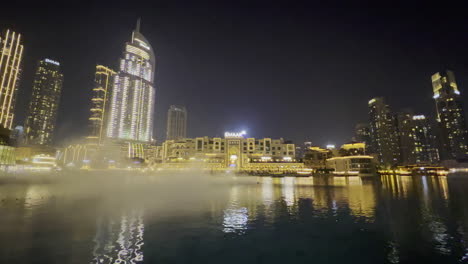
(424, 141)
(42, 115)
(103, 83)
(176, 123)
(133, 96)
(11, 54)
(450, 115)
(383, 131)
(405, 128)
(417, 139)
(362, 134)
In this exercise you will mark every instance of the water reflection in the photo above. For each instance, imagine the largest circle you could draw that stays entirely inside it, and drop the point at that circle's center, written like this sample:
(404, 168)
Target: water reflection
(119, 241)
(391, 219)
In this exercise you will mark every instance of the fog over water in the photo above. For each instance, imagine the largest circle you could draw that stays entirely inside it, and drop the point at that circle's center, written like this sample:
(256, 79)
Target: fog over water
(192, 217)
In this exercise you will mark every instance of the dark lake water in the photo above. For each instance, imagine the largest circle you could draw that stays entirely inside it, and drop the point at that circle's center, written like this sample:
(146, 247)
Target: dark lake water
(202, 219)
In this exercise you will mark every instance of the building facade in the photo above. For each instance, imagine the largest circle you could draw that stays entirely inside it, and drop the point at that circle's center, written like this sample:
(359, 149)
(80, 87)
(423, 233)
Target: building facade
(450, 115)
(383, 131)
(133, 96)
(11, 55)
(176, 123)
(232, 151)
(103, 83)
(42, 116)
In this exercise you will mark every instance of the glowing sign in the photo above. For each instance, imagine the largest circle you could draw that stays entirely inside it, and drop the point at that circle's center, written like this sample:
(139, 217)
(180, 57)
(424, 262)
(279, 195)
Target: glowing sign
(235, 134)
(142, 44)
(52, 61)
(330, 146)
(456, 91)
(419, 117)
(372, 101)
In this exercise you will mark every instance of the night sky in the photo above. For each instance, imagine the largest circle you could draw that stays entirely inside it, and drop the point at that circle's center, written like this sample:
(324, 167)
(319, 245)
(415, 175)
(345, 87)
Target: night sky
(303, 73)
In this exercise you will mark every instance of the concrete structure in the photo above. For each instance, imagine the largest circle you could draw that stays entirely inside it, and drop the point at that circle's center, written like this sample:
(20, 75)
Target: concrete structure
(42, 116)
(176, 123)
(450, 115)
(103, 83)
(11, 55)
(133, 96)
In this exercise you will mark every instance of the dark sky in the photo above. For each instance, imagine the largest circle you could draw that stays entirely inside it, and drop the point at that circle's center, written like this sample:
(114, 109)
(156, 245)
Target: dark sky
(302, 73)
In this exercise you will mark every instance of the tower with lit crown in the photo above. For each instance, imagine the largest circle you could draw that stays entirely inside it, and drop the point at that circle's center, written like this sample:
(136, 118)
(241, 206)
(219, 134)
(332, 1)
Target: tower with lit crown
(450, 115)
(11, 54)
(133, 96)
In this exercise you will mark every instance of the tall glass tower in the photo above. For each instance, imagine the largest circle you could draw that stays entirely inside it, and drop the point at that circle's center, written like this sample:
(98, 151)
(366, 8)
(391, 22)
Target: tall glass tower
(133, 96)
(11, 54)
(176, 122)
(450, 115)
(42, 115)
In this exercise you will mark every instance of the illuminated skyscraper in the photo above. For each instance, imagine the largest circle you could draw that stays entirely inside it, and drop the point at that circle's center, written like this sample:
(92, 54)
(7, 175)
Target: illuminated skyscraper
(103, 83)
(417, 140)
(11, 53)
(176, 122)
(133, 96)
(42, 115)
(450, 115)
(383, 131)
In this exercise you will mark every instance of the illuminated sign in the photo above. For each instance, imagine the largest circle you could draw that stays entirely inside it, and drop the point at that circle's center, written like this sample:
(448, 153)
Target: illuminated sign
(329, 146)
(235, 134)
(419, 117)
(52, 61)
(372, 101)
(142, 44)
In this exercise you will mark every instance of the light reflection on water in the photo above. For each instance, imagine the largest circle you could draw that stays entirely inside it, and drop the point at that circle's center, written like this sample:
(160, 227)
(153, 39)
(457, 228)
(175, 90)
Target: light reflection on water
(393, 219)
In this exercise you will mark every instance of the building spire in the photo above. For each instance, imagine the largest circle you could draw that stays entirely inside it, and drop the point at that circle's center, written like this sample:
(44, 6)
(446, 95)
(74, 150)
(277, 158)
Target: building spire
(138, 25)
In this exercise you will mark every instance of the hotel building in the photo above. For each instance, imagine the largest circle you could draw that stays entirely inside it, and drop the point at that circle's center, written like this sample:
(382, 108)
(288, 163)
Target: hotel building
(42, 115)
(233, 151)
(133, 96)
(11, 54)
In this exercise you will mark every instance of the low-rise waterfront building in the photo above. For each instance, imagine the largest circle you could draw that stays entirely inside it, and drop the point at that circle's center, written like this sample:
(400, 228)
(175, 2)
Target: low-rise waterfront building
(352, 165)
(233, 151)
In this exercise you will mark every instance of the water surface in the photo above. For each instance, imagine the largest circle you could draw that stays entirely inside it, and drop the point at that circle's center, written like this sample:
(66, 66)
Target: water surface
(203, 219)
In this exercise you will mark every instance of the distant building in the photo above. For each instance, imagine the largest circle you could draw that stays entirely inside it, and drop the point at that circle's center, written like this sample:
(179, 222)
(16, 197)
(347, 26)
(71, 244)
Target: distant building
(450, 115)
(353, 149)
(103, 83)
(316, 157)
(176, 123)
(42, 115)
(11, 55)
(383, 131)
(133, 95)
(352, 165)
(362, 134)
(17, 136)
(405, 133)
